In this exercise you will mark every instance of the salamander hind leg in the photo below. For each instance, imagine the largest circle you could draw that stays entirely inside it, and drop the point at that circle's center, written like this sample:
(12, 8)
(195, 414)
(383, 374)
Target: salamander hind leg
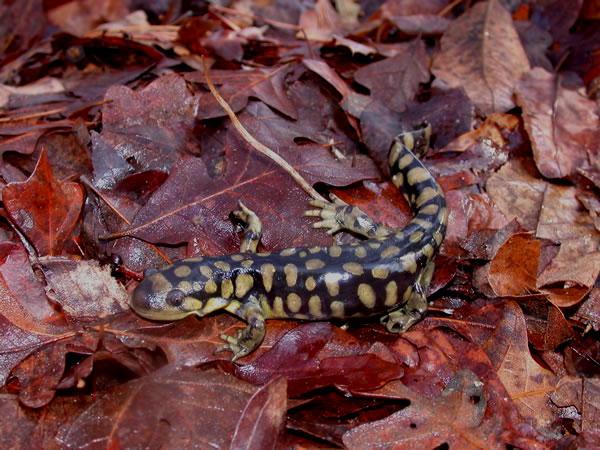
(338, 215)
(252, 228)
(401, 319)
(249, 338)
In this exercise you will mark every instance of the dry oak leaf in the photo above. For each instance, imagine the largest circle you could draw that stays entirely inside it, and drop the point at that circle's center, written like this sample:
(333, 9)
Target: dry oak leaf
(455, 419)
(561, 121)
(481, 52)
(394, 81)
(582, 394)
(524, 379)
(518, 192)
(265, 84)
(45, 209)
(172, 408)
(22, 333)
(573, 272)
(513, 270)
(150, 127)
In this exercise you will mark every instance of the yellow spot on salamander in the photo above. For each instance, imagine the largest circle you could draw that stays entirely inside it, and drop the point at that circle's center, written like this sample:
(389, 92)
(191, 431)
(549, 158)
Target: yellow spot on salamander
(266, 308)
(426, 195)
(360, 252)
(337, 309)
(391, 293)
(294, 302)
(332, 283)
(398, 180)
(335, 251)
(237, 258)
(160, 283)
(394, 153)
(243, 283)
(415, 237)
(430, 209)
(247, 263)
(310, 283)
(267, 271)
(366, 294)
(185, 286)
(409, 262)
(314, 250)
(278, 310)
(405, 161)
(391, 251)
(314, 306)
(408, 140)
(428, 251)
(353, 268)
(206, 271)
(380, 272)
(374, 244)
(210, 287)
(222, 265)
(182, 271)
(192, 304)
(287, 251)
(314, 264)
(291, 274)
(407, 294)
(426, 224)
(417, 175)
(226, 288)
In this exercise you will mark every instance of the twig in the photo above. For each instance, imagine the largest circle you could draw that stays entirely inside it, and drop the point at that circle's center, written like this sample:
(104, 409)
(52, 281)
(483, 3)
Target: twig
(256, 144)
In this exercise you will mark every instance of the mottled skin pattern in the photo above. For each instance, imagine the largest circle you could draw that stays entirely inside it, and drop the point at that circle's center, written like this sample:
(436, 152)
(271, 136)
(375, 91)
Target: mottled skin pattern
(387, 274)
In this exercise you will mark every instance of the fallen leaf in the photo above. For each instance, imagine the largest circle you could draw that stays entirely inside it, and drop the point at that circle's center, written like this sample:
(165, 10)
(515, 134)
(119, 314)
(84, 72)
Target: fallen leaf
(153, 410)
(456, 418)
(481, 52)
(45, 209)
(561, 122)
(583, 394)
(526, 381)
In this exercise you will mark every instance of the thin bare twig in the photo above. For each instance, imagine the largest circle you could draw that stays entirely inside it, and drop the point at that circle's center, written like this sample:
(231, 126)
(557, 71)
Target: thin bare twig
(255, 143)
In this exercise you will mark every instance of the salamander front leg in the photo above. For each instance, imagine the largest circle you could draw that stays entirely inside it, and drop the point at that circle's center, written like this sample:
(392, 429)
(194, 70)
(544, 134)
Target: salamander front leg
(252, 228)
(249, 338)
(338, 215)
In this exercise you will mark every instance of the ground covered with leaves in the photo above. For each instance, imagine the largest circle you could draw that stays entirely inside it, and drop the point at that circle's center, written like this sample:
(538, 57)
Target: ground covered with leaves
(117, 158)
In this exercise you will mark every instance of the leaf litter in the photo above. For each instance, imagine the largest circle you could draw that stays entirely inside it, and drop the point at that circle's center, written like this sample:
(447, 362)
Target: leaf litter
(116, 157)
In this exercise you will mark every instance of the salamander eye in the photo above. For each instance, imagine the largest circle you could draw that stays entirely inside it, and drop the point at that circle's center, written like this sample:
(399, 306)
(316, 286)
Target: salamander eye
(175, 297)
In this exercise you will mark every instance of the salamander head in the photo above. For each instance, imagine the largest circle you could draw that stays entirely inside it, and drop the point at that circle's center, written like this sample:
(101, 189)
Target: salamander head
(156, 298)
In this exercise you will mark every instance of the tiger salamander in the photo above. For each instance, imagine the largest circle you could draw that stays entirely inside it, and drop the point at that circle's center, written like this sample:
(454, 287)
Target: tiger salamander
(386, 274)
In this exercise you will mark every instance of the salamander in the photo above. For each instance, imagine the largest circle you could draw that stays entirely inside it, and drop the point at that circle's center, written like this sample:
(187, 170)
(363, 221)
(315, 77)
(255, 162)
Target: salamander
(388, 273)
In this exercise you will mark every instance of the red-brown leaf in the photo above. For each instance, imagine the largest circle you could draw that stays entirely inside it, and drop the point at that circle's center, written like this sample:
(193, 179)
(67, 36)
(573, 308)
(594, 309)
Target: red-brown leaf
(481, 52)
(44, 208)
(561, 121)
